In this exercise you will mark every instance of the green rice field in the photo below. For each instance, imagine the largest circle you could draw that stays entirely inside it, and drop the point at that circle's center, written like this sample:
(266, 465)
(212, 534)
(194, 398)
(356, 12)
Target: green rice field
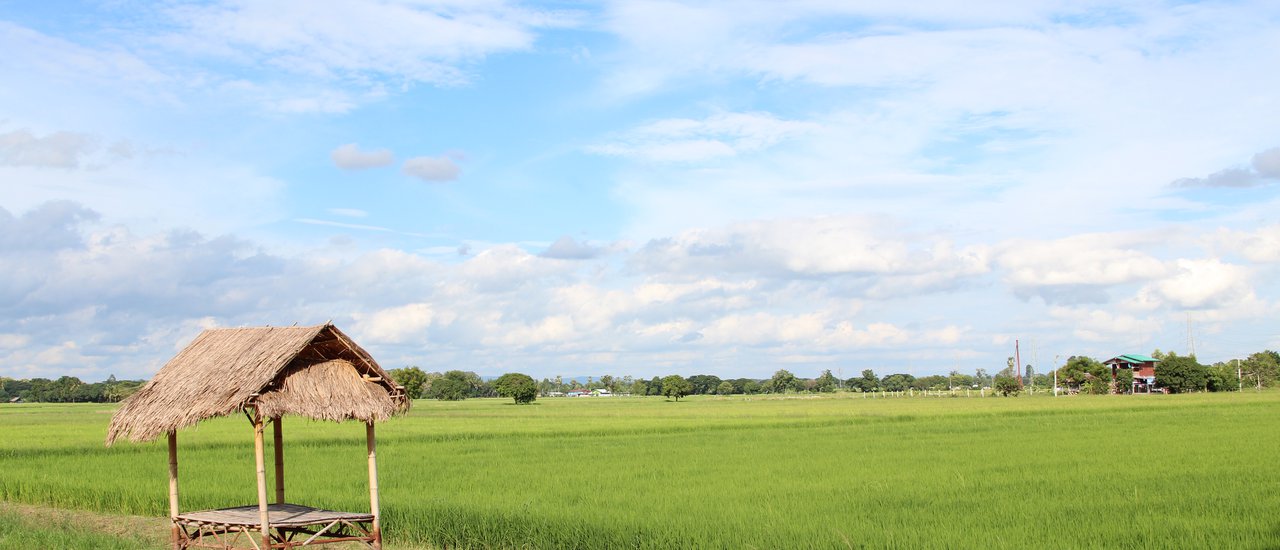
(1177, 471)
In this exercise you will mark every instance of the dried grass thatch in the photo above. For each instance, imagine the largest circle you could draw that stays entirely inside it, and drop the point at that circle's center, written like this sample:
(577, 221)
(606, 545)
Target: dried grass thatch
(316, 372)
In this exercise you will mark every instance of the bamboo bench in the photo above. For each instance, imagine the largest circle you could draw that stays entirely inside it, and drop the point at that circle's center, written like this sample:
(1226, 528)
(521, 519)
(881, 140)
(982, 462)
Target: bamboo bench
(238, 527)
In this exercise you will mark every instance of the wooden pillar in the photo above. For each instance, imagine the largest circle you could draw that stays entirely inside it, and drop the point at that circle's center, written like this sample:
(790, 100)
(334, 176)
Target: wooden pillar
(278, 432)
(260, 458)
(173, 489)
(373, 485)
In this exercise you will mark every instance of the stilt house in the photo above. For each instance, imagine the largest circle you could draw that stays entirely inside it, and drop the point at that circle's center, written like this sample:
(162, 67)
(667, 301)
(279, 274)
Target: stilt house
(1143, 367)
(266, 373)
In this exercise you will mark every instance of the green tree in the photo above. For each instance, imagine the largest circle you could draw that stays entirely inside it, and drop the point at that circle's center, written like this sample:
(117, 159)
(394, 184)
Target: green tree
(1181, 374)
(1222, 377)
(897, 382)
(639, 387)
(725, 388)
(751, 387)
(413, 380)
(676, 386)
(454, 385)
(520, 387)
(1261, 369)
(783, 381)
(655, 386)
(826, 382)
(703, 384)
(1006, 385)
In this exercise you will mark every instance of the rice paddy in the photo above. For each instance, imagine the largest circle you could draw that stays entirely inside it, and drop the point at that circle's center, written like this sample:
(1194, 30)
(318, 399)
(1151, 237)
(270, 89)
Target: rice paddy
(830, 472)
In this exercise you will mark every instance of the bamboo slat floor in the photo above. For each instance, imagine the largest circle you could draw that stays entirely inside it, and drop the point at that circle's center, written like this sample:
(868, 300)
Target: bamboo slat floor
(279, 515)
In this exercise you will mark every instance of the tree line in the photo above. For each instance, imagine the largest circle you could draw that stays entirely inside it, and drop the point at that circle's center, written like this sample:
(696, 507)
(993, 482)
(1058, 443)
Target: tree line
(67, 389)
(1079, 374)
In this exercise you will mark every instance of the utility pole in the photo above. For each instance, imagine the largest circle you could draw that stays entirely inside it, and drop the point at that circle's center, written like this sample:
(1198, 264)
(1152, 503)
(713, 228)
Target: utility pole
(1055, 375)
(1017, 363)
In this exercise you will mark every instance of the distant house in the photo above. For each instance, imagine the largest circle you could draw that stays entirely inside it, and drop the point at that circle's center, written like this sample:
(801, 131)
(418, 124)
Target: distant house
(578, 393)
(1143, 367)
(16, 400)
(602, 393)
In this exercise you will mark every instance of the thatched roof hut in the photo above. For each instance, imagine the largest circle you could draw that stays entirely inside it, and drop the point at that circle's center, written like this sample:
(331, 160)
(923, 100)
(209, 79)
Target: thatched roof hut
(317, 372)
(267, 372)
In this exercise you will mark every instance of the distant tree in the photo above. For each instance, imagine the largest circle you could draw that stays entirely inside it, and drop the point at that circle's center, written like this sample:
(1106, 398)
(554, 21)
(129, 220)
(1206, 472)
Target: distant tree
(1261, 369)
(639, 387)
(413, 380)
(1085, 374)
(452, 386)
(703, 384)
(1181, 374)
(826, 382)
(676, 386)
(751, 387)
(897, 382)
(608, 382)
(520, 387)
(1006, 385)
(655, 386)
(725, 388)
(981, 378)
(1222, 377)
(931, 382)
(1124, 380)
(783, 381)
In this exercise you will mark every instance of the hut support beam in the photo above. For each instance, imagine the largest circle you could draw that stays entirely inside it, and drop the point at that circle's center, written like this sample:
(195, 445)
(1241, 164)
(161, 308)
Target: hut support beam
(278, 439)
(173, 488)
(372, 445)
(260, 458)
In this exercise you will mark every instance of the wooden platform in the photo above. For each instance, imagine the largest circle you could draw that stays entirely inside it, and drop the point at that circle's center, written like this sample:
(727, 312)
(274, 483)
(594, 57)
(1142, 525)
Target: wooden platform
(291, 526)
(279, 515)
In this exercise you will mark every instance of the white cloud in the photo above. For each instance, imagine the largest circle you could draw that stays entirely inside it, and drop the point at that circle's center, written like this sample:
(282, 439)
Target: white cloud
(1267, 163)
(719, 135)
(350, 157)
(1080, 267)
(349, 212)
(397, 325)
(56, 150)
(432, 169)
(358, 41)
(1203, 284)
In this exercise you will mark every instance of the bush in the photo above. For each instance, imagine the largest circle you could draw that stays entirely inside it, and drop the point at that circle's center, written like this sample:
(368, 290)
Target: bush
(1006, 385)
(520, 387)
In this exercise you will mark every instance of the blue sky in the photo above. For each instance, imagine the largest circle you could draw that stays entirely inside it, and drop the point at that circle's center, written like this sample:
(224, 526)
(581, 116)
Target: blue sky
(640, 188)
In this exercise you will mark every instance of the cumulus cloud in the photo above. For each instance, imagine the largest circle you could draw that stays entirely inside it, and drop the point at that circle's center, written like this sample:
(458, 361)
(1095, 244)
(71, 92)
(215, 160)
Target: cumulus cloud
(350, 157)
(432, 169)
(56, 150)
(566, 248)
(826, 247)
(1078, 269)
(1264, 169)
(1202, 284)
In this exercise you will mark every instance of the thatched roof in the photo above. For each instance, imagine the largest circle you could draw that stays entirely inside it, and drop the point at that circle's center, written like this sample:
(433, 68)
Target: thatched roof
(317, 372)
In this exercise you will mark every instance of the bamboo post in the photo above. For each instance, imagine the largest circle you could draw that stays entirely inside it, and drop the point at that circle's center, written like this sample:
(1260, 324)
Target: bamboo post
(258, 455)
(373, 485)
(173, 488)
(278, 433)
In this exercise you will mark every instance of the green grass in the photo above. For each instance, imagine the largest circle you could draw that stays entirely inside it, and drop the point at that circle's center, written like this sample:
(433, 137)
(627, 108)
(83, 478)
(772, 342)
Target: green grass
(1077, 472)
(23, 528)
